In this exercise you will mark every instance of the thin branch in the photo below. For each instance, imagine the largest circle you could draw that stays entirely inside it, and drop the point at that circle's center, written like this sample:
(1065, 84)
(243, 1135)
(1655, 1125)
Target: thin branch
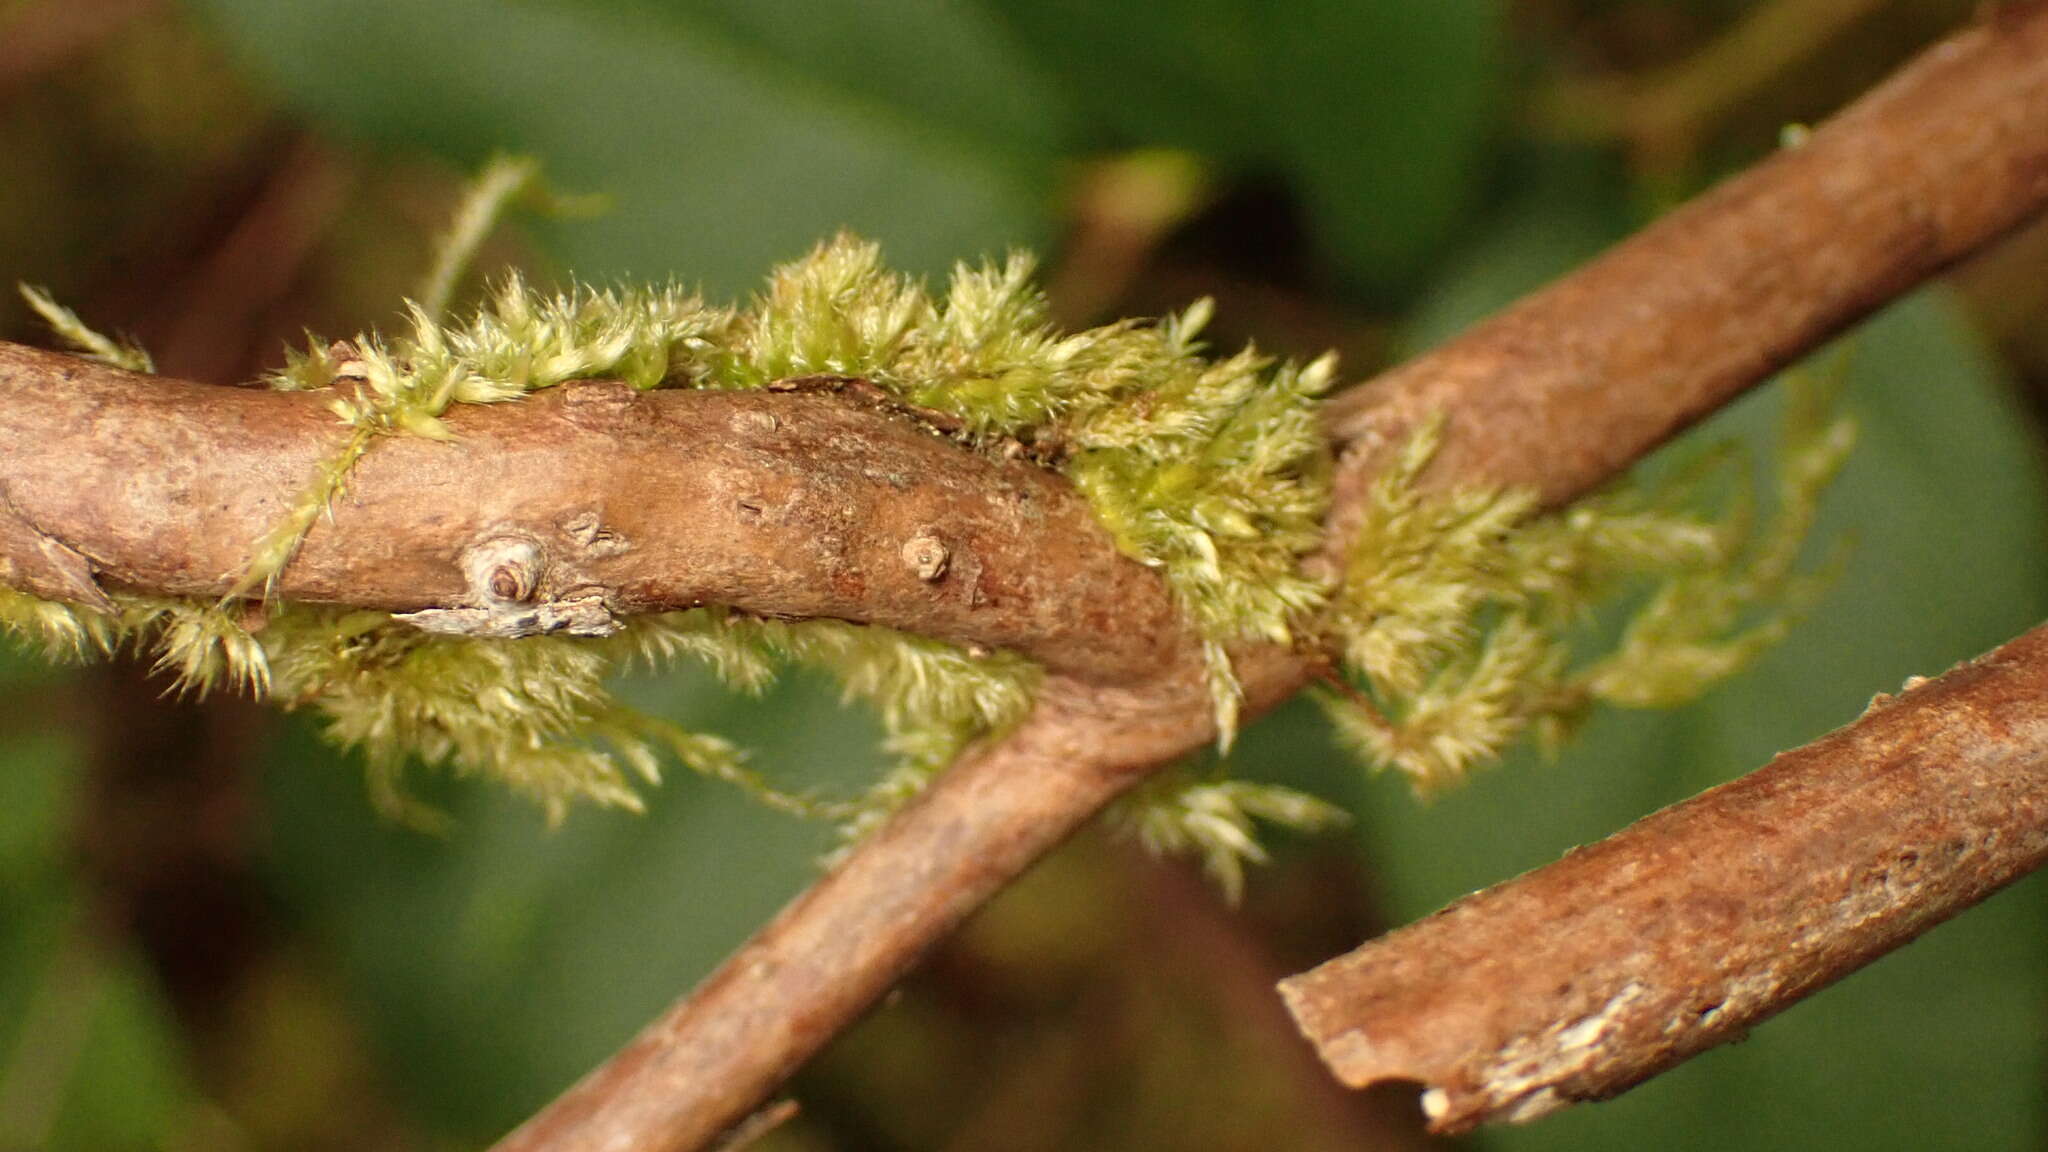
(1588, 976)
(1660, 107)
(37, 39)
(707, 1062)
(1572, 384)
(1190, 929)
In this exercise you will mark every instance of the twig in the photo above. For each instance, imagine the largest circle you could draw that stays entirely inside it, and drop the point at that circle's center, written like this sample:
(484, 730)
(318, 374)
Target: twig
(706, 1063)
(1588, 976)
(40, 38)
(1684, 98)
(1572, 384)
(1184, 919)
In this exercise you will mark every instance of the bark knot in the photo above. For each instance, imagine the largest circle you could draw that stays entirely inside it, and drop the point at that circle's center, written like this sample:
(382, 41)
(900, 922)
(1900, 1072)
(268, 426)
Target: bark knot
(927, 555)
(504, 575)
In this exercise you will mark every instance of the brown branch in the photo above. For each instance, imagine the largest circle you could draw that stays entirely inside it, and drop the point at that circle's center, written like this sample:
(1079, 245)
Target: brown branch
(784, 504)
(39, 39)
(1588, 976)
(1188, 928)
(802, 505)
(1572, 384)
(706, 1063)
(1661, 108)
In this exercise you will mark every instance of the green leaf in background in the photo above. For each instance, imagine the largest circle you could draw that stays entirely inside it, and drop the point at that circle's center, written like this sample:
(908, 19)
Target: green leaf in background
(498, 964)
(90, 1058)
(1942, 1045)
(940, 70)
(1385, 145)
(1375, 114)
(726, 139)
(1188, 74)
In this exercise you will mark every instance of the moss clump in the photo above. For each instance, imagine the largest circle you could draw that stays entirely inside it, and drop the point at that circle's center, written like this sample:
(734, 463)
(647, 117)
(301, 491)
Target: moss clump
(1462, 618)
(1211, 471)
(1453, 618)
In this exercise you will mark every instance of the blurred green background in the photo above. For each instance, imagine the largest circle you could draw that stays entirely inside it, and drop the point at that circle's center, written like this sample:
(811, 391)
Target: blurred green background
(209, 941)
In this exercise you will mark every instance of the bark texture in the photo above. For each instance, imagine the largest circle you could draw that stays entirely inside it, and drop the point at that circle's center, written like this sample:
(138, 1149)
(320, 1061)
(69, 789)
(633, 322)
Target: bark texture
(1588, 976)
(1561, 393)
(840, 945)
(796, 504)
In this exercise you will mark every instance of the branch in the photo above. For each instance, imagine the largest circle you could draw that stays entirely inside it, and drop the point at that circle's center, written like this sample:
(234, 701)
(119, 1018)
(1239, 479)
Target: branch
(39, 39)
(798, 503)
(708, 1061)
(1588, 976)
(1562, 393)
(1571, 385)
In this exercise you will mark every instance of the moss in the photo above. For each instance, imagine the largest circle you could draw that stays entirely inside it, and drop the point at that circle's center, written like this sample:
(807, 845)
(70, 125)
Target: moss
(1215, 820)
(1462, 617)
(1456, 619)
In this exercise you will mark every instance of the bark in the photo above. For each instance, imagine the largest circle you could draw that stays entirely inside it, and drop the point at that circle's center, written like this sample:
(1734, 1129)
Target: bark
(827, 956)
(1606, 364)
(1588, 976)
(36, 40)
(795, 504)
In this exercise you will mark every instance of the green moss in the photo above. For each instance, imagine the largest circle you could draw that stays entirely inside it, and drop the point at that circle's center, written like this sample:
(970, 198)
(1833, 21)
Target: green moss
(1456, 618)
(66, 325)
(1462, 617)
(1215, 820)
(1211, 471)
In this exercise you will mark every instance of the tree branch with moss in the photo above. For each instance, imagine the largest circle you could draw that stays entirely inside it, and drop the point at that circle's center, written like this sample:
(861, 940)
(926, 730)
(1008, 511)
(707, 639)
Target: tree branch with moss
(1059, 562)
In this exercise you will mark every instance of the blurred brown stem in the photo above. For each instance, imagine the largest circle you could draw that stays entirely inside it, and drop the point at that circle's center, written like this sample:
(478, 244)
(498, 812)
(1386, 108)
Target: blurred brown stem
(39, 38)
(1678, 101)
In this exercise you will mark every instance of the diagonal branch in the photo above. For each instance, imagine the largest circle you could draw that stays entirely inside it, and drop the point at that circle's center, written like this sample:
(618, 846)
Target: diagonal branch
(1589, 976)
(705, 1063)
(1568, 387)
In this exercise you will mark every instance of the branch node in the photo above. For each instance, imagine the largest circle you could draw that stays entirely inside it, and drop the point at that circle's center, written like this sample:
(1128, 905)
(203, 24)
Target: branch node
(926, 555)
(504, 575)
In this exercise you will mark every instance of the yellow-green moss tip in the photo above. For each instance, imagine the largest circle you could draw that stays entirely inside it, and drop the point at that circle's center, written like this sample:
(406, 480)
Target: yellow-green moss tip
(1459, 615)
(1216, 820)
(66, 326)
